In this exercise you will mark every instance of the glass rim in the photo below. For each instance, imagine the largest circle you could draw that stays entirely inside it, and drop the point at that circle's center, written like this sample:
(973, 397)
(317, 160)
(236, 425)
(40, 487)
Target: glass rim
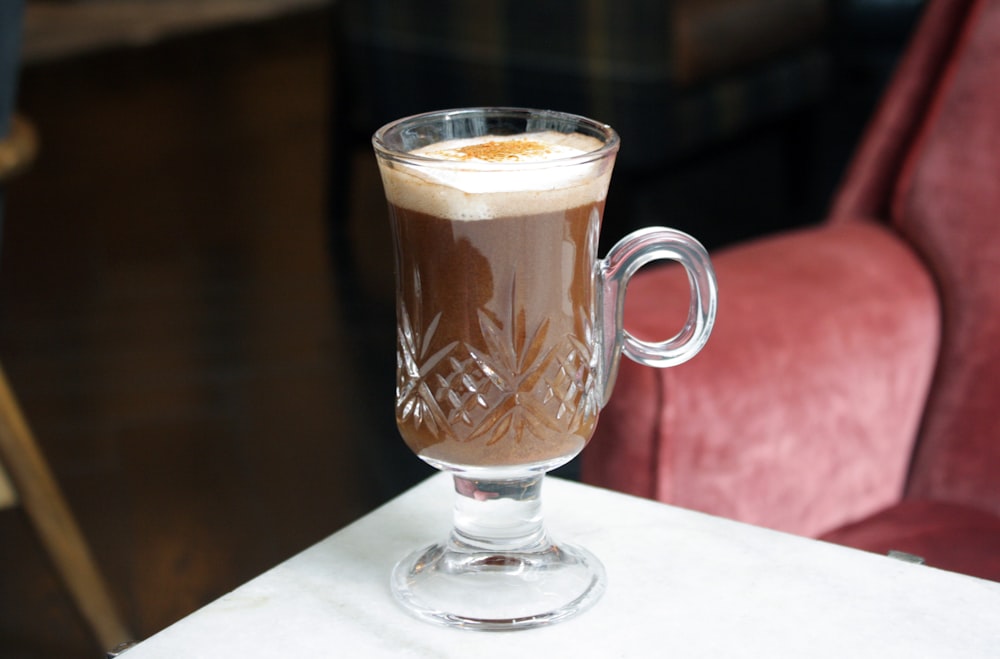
(595, 129)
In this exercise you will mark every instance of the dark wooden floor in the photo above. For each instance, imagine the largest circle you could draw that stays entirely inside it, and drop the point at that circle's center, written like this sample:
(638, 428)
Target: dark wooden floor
(169, 320)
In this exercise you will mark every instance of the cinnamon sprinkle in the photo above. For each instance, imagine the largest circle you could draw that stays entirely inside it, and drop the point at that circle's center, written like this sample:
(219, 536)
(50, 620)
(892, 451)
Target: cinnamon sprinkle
(505, 151)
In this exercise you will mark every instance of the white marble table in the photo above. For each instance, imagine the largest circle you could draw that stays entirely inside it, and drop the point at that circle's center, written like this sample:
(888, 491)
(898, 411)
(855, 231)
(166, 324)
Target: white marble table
(681, 584)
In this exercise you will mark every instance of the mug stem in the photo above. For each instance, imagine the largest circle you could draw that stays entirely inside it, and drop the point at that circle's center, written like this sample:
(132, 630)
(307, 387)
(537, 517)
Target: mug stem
(499, 570)
(504, 515)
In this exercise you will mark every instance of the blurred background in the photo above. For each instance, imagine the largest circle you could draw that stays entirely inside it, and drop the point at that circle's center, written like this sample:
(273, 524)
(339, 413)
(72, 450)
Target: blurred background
(196, 279)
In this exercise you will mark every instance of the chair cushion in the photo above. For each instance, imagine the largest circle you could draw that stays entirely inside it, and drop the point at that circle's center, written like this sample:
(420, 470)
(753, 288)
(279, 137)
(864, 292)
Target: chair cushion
(946, 535)
(800, 412)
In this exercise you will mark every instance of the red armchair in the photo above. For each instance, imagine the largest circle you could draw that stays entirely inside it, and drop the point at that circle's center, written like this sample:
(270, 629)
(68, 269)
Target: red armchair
(851, 388)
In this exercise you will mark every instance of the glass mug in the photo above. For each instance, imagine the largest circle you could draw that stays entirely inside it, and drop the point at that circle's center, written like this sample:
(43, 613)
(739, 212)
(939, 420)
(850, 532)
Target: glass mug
(509, 332)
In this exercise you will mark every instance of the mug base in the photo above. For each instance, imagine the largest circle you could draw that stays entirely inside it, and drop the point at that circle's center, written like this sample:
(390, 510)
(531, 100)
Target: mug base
(449, 585)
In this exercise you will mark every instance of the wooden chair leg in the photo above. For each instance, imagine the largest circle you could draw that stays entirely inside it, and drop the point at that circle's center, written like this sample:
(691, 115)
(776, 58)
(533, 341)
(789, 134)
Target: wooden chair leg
(49, 513)
(8, 496)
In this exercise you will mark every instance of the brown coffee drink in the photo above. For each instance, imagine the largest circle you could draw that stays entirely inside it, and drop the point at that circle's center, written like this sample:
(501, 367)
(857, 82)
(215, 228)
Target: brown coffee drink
(497, 355)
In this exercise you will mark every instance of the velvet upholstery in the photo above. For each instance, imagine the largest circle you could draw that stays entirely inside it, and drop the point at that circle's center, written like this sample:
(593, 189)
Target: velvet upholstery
(800, 412)
(946, 535)
(851, 387)
(947, 203)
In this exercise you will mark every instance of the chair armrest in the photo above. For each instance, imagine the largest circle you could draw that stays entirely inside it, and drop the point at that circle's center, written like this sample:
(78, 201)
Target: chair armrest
(801, 412)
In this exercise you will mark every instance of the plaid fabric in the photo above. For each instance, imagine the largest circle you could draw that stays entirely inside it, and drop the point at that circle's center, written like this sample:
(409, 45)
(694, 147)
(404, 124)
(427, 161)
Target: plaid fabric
(613, 60)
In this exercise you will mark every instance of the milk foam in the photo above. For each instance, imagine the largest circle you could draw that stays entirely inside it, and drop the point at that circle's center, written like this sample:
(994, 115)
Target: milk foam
(496, 176)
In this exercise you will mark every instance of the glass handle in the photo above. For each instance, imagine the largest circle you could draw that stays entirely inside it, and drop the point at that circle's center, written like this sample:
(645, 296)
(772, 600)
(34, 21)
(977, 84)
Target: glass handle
(623, 260)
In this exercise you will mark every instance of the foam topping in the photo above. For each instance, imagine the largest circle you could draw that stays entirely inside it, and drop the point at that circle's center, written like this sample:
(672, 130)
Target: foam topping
(478, 183)
(535, 147)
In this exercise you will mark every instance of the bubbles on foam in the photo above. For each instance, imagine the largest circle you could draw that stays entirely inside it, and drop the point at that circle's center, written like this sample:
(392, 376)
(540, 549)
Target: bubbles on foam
(482, 180)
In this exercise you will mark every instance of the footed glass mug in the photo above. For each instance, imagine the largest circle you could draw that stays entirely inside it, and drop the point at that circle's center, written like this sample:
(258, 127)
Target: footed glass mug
(509, 334)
